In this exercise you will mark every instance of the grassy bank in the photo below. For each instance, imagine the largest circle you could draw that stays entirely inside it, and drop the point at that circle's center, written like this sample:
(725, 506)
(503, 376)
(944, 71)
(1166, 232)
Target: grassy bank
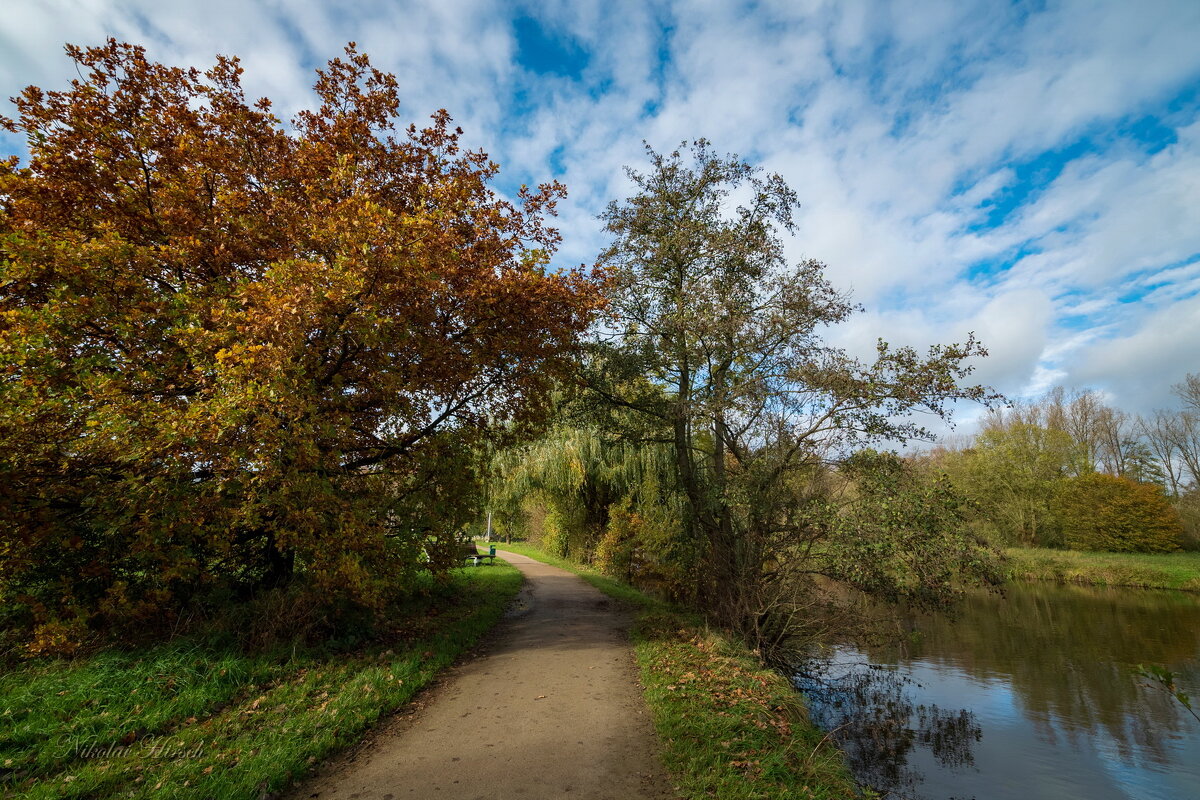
(730, 727)
(1147, 570)
(196, 718)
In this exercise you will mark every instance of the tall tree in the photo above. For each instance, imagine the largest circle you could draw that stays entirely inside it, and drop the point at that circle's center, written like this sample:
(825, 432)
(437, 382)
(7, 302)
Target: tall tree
(1115, 441)
(229, 351)
(1013, 473)
(742, 384)
(1185, 430)
(1188, 390)
(1156, 431)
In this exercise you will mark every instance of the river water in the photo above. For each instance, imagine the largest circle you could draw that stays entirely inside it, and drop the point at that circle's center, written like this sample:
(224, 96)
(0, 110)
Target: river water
(1030, 696)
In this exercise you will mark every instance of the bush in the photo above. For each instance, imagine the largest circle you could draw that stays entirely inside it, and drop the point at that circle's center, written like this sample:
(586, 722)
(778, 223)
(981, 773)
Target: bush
(1103, 512)
(615, 554)
(555, 536)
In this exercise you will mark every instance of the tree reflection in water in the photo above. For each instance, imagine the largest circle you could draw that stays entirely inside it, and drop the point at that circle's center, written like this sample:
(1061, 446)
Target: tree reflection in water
(868, 711)
(1047, 672)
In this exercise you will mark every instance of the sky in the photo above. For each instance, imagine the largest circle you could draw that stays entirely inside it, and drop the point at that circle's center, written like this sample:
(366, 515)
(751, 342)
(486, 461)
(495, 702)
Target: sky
(1026, 171)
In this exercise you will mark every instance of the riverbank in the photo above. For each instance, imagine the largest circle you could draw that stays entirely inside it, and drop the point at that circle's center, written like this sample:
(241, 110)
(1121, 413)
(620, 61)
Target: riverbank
(730, 728)
(1143, 570)
(201, 717)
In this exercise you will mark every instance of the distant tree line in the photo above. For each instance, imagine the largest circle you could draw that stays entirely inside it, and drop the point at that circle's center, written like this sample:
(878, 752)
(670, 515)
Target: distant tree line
(1069, 470)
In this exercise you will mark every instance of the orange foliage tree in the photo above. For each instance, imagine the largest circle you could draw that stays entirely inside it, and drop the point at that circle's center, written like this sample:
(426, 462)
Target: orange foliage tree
(1104, 512)
(232, 351)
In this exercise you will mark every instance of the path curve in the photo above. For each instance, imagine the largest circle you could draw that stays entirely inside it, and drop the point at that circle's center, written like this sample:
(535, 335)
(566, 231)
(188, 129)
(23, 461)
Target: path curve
(551, 710)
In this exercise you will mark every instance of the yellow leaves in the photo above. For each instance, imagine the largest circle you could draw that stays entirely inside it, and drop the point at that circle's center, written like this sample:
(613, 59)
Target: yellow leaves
(57, 638)
(239, 355)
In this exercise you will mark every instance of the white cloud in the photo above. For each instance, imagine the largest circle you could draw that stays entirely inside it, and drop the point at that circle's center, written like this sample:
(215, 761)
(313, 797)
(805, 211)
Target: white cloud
(1137, 368)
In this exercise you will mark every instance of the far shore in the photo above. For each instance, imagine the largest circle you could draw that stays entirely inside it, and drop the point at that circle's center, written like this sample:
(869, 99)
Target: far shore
(1142, 570)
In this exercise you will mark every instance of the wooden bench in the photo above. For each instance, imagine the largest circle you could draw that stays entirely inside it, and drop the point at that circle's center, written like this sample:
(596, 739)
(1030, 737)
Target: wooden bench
(471, 553)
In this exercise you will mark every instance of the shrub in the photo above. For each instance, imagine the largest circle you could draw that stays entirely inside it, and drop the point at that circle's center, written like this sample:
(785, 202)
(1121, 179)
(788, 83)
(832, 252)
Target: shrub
(1188, 506)
(615, 553)
(1103, 512)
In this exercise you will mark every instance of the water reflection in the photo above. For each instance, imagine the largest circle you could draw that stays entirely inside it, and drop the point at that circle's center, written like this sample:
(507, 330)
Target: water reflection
(1030, 696)
(872, 715)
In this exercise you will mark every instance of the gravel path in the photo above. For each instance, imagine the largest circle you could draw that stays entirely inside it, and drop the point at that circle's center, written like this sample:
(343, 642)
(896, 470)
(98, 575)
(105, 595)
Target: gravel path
(550, 708)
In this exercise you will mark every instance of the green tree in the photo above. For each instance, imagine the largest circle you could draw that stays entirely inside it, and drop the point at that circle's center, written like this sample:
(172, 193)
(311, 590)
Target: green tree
(1139, 464)
(735, 376)
(1104, 512)
(1013, 473)
(896, 515)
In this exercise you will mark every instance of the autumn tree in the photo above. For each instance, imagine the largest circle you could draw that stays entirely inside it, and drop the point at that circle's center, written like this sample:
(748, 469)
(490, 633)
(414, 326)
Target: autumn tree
(1104, 512)
(715, 347)
(233, 350)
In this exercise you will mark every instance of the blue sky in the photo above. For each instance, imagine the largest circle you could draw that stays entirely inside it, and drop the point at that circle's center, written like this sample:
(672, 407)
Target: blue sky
(1029, 171)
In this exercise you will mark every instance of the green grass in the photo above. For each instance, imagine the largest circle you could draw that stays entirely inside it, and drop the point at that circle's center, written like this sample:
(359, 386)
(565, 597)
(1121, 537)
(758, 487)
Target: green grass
(730, 728)
(1147, 570)
(193, 718)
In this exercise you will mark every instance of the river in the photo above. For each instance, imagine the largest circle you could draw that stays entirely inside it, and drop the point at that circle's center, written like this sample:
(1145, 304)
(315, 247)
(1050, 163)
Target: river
(1030, 696)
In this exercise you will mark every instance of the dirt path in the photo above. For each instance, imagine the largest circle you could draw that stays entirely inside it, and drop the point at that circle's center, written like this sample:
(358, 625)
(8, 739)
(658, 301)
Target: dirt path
(551, 710)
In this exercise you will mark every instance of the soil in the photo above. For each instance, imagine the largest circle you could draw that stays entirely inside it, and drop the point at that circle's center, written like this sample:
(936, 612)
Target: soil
(549, 707)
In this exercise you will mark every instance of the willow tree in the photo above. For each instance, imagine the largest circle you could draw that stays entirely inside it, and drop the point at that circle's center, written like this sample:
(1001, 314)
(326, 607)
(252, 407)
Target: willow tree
(739, 379)
(599, 499)
(232, 350)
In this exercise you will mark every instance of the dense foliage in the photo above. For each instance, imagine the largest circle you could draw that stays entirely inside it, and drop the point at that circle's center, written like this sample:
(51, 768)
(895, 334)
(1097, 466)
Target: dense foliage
(712, 377)
(1104, 512)
(1013, 474)
(588, 495)
(231, 351)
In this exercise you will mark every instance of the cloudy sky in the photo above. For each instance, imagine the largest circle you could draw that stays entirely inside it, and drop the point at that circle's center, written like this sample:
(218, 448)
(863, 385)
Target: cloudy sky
(1026, 170)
